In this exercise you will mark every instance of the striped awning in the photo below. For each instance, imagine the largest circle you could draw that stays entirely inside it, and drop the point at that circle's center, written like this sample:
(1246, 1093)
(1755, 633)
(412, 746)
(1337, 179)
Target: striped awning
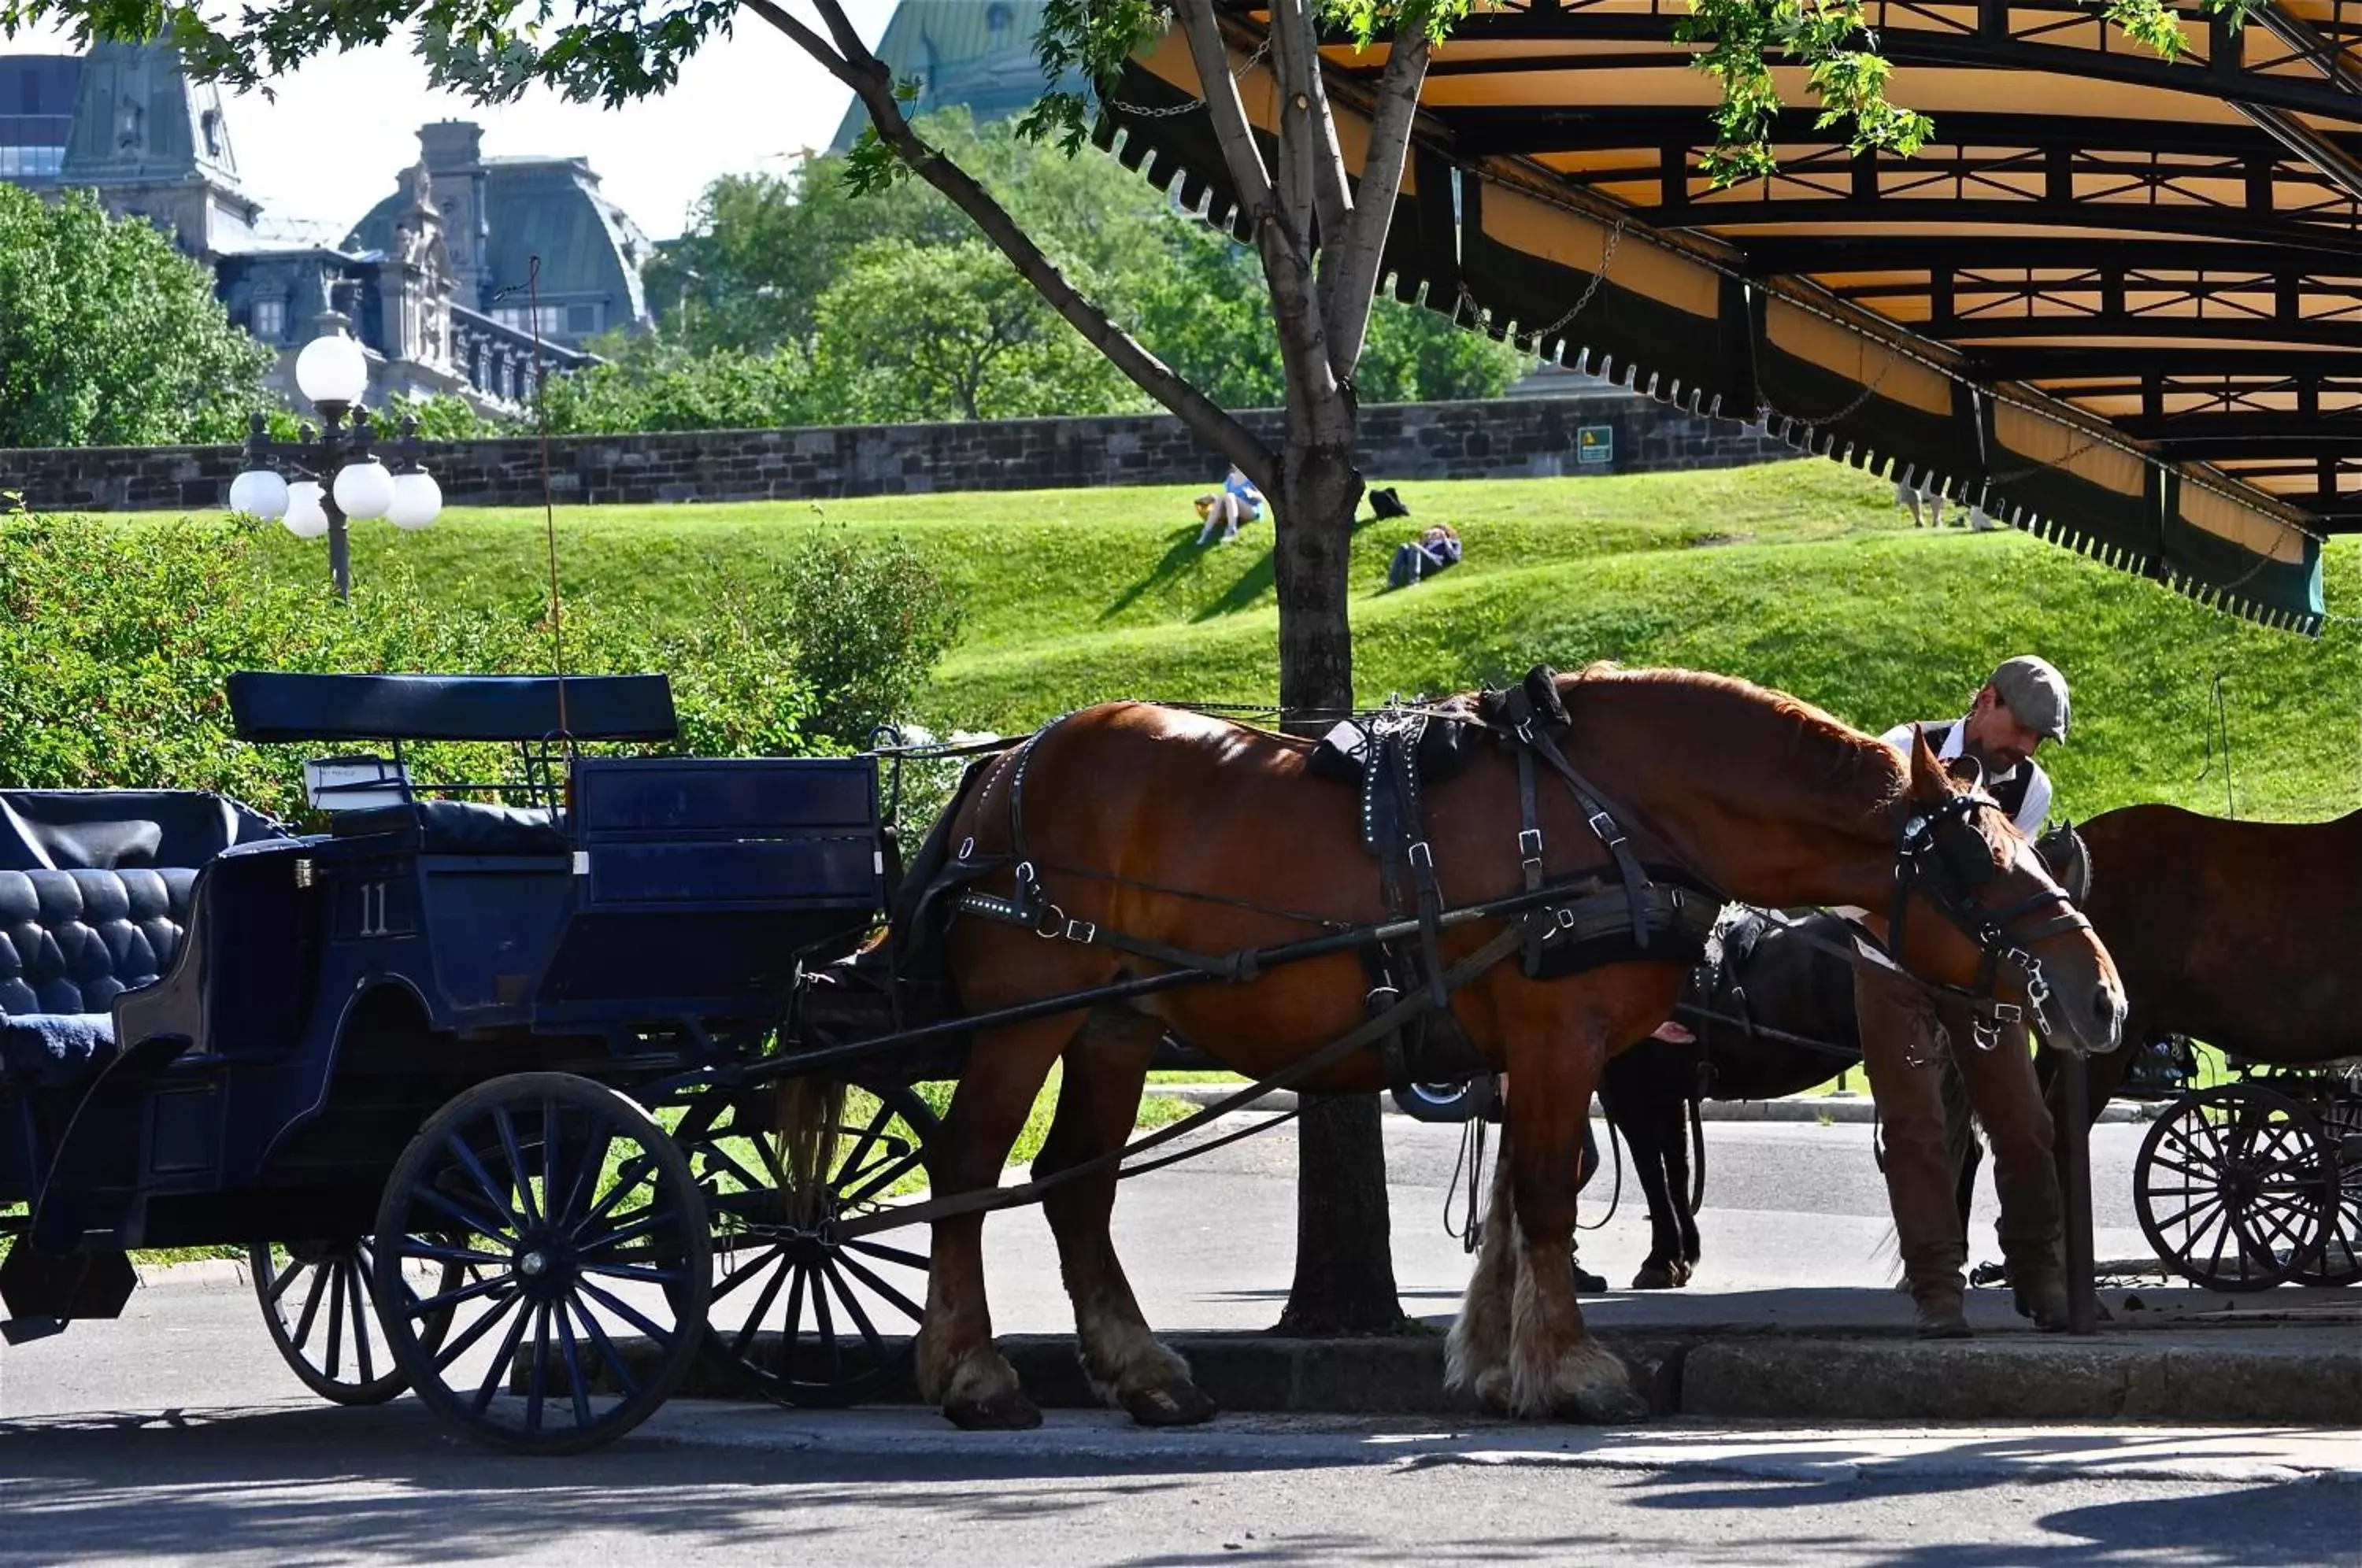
(2111, 302)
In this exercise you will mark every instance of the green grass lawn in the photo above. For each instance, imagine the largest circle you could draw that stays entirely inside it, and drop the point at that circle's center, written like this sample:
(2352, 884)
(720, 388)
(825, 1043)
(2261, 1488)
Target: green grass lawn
(1801, 575)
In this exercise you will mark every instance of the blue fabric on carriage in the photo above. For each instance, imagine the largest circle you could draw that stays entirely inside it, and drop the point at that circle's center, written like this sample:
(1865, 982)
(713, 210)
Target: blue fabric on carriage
(462, 827)
(55, 1050)
(71, 942)
(111, 830)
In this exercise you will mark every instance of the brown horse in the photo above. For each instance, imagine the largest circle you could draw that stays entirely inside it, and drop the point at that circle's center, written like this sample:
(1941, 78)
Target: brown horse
(1177, 828)
(2242, 934)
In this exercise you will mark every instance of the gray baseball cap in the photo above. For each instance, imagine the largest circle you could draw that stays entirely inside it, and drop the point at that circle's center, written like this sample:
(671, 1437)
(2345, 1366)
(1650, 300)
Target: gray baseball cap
(2036, 692)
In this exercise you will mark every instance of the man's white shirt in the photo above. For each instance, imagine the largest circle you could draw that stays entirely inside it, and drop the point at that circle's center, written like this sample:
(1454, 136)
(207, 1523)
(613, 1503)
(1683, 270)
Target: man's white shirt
(2030, 812)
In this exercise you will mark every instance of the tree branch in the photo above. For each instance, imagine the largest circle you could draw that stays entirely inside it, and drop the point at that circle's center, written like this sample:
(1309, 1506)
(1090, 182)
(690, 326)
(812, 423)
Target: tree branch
(812, 43)
(1286, 265)
(1332, 197)
(841, 28)
(1351, 274)
(1233, 130)
(867, 78)
(1293, 111)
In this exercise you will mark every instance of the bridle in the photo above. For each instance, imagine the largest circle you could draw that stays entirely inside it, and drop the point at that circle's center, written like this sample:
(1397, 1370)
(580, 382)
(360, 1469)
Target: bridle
(1938, 852)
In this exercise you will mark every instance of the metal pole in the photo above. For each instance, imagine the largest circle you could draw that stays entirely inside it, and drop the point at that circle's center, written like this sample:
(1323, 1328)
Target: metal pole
(340, 561)
(2075, 1102)
(332, 439)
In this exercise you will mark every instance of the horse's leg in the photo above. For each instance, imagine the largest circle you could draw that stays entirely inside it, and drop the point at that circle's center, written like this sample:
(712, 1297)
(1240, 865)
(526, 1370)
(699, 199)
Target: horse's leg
(1554, 1367)
(957, 1366)
(1677, 1178)
(1639, 1108)
(1476, 1353)
(1106, 1067)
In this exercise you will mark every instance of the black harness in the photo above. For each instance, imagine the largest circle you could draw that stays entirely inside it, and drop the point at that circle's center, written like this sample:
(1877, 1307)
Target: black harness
(1578, 923)
(1940, 853)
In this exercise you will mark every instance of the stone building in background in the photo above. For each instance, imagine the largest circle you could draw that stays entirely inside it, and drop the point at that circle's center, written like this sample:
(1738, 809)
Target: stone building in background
(974, 53)
(433, 281)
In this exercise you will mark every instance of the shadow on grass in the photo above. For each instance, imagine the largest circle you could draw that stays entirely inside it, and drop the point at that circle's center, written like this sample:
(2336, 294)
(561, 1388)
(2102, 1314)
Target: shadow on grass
(1261, 578)
(1184, 549)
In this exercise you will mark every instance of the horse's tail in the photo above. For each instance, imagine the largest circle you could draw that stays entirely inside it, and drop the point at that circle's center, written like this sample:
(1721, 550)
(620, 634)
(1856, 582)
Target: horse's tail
(806, 1114)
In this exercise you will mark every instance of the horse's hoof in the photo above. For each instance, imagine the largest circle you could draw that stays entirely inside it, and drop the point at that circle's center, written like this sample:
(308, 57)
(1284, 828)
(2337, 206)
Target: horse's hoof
(1610, 1405)
(1682, 1274)
(1009, 1411)
(1175, 1405)
(1588, 1283)
(1654, 1277)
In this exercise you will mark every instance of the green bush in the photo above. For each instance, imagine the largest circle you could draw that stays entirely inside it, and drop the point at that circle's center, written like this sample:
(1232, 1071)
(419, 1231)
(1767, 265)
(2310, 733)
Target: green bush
(872, 619)
(115, 645)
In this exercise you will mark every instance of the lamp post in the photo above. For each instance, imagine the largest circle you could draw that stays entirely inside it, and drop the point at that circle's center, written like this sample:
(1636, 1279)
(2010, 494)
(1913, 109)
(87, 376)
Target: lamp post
(332, 374)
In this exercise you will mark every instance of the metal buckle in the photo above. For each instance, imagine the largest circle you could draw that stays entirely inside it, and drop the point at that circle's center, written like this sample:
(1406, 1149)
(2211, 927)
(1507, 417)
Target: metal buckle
(1529, 847)
(1564, 917)
(1081, 931)
(1604, 828)
(1374, 993)
(1420, 855)
(968, 846)
(1025, 874)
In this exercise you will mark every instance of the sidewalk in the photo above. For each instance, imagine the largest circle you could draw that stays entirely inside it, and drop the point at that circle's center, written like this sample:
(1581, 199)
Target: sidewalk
(1842, 1106)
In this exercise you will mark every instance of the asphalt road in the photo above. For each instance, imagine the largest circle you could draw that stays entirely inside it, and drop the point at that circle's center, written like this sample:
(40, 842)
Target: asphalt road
(175, 1434)
(702, 1485)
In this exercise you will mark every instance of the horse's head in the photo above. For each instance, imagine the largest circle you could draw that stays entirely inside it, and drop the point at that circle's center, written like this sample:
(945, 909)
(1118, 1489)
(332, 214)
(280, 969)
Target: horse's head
(2068, 861)
(1979, 908)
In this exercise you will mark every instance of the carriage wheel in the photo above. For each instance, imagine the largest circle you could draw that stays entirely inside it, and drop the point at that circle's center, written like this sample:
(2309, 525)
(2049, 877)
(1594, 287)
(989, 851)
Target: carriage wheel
(2339, 1261)
(584, 1238)
(807, 1316)
(2230, 1186)
(320, 1305)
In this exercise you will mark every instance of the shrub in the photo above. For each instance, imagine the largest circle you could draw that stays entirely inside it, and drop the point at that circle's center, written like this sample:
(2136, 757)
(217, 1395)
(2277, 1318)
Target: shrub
(872, 620)
(116, 644)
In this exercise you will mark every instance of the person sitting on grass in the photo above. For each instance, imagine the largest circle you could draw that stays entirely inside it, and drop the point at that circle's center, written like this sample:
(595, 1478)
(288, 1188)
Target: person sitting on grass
(1431, 552)
(1236, 504)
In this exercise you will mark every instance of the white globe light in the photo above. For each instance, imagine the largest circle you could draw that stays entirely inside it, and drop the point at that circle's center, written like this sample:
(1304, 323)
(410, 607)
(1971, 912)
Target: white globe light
(306, 519)
(258, 492)
(417, 501)
(331, 369)
(364, 490)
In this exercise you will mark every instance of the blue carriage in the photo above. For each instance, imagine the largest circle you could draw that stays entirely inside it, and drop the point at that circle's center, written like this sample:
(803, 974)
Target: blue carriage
(477, 1082)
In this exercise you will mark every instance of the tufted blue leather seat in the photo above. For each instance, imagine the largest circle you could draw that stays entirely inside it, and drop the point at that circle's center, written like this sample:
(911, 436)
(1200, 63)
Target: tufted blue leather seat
(71, 942)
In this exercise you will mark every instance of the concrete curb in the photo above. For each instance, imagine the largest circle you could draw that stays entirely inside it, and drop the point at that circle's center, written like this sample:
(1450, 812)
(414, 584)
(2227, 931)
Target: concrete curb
(1816, 1109)
(2292, 1376)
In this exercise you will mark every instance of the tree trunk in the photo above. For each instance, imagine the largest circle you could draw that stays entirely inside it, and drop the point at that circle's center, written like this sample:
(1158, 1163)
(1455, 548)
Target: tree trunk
(1345, 1253)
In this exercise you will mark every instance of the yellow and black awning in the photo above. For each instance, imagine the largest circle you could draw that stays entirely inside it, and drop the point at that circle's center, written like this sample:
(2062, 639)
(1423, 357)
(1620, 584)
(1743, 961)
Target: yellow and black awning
(2113, 302)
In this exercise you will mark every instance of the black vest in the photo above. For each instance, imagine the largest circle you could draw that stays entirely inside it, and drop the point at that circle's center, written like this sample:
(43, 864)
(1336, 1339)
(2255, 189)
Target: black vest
(2010, 794)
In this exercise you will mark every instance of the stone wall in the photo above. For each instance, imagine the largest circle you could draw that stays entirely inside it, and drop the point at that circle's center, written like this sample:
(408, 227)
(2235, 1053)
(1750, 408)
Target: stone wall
(1511, 438)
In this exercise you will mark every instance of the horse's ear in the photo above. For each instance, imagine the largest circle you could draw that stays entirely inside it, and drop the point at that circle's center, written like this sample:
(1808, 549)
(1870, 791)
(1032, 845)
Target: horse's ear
(1967, 771)
(1930, 785)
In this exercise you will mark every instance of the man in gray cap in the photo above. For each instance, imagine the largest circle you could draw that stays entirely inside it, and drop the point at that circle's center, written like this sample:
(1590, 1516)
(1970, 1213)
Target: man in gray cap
(1912, 1038)
(2023, 705)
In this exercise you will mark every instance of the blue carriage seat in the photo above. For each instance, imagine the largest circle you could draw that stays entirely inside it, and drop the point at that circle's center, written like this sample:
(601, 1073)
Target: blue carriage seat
(96, 888)
(520, 709)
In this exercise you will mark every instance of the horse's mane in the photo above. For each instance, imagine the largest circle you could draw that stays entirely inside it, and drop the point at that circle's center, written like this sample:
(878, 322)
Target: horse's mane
(1828, 747)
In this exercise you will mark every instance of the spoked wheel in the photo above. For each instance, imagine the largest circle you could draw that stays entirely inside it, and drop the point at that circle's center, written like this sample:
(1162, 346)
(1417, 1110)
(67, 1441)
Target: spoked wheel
(2230, 1185)
(2339, 1261)
(320, 1305)
(585, 1239)
(805, 1314)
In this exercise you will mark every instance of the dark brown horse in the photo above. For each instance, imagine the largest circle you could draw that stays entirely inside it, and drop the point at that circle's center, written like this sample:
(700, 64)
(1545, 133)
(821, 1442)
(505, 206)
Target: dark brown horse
(1176, 828)
(2243, 934)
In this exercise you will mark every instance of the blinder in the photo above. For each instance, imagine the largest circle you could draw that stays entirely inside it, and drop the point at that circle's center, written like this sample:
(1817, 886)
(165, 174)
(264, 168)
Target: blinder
(1941, 854)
